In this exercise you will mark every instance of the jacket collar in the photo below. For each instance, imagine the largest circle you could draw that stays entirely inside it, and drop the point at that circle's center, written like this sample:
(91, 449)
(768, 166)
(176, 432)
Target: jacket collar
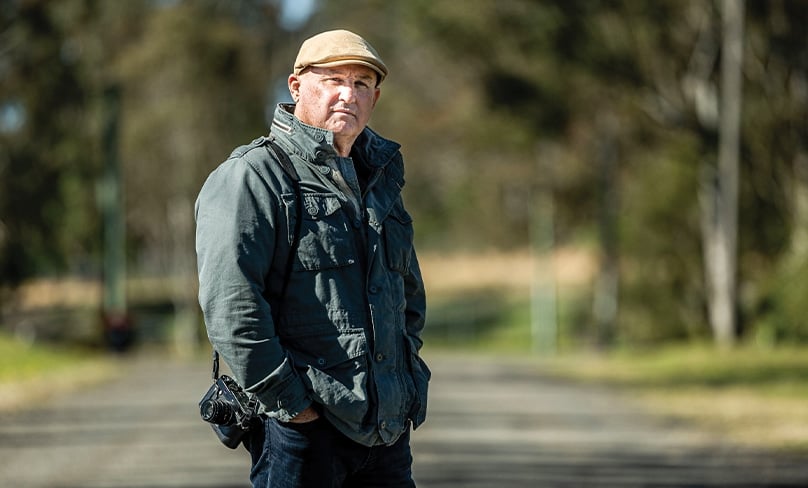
(317, 145)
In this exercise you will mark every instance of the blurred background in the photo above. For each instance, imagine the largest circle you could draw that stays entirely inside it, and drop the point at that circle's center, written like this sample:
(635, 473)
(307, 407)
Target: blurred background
(584, 175)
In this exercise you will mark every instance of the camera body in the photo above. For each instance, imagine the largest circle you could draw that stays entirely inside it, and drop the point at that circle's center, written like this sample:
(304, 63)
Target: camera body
(229, 410)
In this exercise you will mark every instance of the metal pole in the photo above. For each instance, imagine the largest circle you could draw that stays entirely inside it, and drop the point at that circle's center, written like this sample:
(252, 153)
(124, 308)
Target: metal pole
(117, 326)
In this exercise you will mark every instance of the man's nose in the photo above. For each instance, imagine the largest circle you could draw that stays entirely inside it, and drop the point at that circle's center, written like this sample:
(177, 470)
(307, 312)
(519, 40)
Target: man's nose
(348, 94)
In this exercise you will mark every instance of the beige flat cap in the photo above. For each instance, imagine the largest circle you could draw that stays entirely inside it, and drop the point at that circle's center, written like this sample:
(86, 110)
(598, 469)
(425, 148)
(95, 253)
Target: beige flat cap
(337, 48)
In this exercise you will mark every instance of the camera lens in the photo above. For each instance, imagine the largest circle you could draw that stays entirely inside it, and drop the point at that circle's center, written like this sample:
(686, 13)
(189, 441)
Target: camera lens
(217, 412)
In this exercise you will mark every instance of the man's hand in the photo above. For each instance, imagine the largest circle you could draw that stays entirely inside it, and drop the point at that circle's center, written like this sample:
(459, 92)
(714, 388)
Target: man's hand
(308, 415)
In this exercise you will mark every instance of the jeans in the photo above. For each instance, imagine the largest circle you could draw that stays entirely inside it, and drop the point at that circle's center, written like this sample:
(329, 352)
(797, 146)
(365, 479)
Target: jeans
(317, 455)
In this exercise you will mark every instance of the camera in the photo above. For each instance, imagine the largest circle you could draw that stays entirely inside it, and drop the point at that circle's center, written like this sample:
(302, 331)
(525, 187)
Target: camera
(229, 410)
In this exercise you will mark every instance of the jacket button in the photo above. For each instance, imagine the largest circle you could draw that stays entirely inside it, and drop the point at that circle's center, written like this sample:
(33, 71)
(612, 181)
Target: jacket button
(380, 357)
(383, 425)
(321, 361)
(324, 170)
(374, 289)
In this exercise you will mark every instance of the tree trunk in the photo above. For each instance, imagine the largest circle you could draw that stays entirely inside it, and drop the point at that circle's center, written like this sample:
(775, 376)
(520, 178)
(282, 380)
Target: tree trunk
(721, 231)
(799, 234)
(607, 283)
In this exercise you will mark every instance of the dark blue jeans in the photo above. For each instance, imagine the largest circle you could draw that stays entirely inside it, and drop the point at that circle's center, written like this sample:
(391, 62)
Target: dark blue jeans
(317, 455)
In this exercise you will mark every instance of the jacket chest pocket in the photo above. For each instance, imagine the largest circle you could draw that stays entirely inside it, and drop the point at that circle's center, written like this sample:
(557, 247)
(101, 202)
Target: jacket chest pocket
(325, 236)
(398, 239)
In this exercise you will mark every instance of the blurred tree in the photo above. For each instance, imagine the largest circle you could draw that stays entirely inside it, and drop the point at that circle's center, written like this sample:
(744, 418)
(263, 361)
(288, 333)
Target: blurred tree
(196, 85)
(194, 78)
(626, 92)
(776, 116)
(720, 217)
(47, 209)
(480, 83)
(194, 88)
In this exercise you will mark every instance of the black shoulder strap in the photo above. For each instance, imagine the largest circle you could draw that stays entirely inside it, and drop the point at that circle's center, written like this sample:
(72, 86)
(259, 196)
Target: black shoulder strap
(289, 169)
(284, 160)
(291, 172)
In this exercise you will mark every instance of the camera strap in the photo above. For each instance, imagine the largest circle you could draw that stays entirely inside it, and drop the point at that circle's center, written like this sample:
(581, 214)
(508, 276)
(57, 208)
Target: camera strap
(215, 365)
(286, 164)
(291, 172)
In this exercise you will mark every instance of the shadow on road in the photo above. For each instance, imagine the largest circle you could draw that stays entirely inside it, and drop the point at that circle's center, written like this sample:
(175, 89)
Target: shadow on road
(493, 423)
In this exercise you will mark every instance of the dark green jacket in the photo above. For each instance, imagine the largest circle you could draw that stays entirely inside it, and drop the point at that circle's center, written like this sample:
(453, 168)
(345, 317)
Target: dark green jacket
(347, 335)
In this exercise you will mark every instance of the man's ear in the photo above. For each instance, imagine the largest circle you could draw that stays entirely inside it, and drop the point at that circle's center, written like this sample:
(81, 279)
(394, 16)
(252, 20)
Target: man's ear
(294, 87)
(377, 95)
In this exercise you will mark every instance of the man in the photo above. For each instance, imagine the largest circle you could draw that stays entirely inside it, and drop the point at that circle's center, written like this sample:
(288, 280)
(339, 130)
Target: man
(312, 293)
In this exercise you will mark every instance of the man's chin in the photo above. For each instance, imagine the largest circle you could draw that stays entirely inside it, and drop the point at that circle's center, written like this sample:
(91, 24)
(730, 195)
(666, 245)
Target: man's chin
(344, 128)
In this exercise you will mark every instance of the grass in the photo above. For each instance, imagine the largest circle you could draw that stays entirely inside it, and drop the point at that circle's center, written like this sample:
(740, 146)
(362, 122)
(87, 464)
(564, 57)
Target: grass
(757, 397)
(30, 373)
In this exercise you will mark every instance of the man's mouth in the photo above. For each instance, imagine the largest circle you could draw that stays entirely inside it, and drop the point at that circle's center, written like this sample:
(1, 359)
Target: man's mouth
(346, 111)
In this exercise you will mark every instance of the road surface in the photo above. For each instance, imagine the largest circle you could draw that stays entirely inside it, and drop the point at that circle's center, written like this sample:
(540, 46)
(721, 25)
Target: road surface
(492, 424)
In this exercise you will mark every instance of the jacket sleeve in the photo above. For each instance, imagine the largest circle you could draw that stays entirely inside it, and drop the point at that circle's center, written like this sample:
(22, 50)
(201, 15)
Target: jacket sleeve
(415, 313)
(236, 224)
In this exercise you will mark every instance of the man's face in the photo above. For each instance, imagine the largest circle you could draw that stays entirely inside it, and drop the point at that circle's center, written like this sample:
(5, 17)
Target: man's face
(340, 99)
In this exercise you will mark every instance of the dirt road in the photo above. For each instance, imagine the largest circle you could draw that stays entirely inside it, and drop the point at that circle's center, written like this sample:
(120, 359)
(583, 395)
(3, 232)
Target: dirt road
(492, 424)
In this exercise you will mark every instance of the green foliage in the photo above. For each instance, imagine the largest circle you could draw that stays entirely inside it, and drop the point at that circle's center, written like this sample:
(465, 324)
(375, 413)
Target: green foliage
(660, 247)
(782, 311)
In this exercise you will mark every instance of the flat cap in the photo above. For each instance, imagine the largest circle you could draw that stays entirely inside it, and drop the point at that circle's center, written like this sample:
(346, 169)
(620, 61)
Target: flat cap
(337, 48)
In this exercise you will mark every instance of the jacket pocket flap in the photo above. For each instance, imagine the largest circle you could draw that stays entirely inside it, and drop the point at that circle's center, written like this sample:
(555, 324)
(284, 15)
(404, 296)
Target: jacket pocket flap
(325, 351)
(318, 206)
